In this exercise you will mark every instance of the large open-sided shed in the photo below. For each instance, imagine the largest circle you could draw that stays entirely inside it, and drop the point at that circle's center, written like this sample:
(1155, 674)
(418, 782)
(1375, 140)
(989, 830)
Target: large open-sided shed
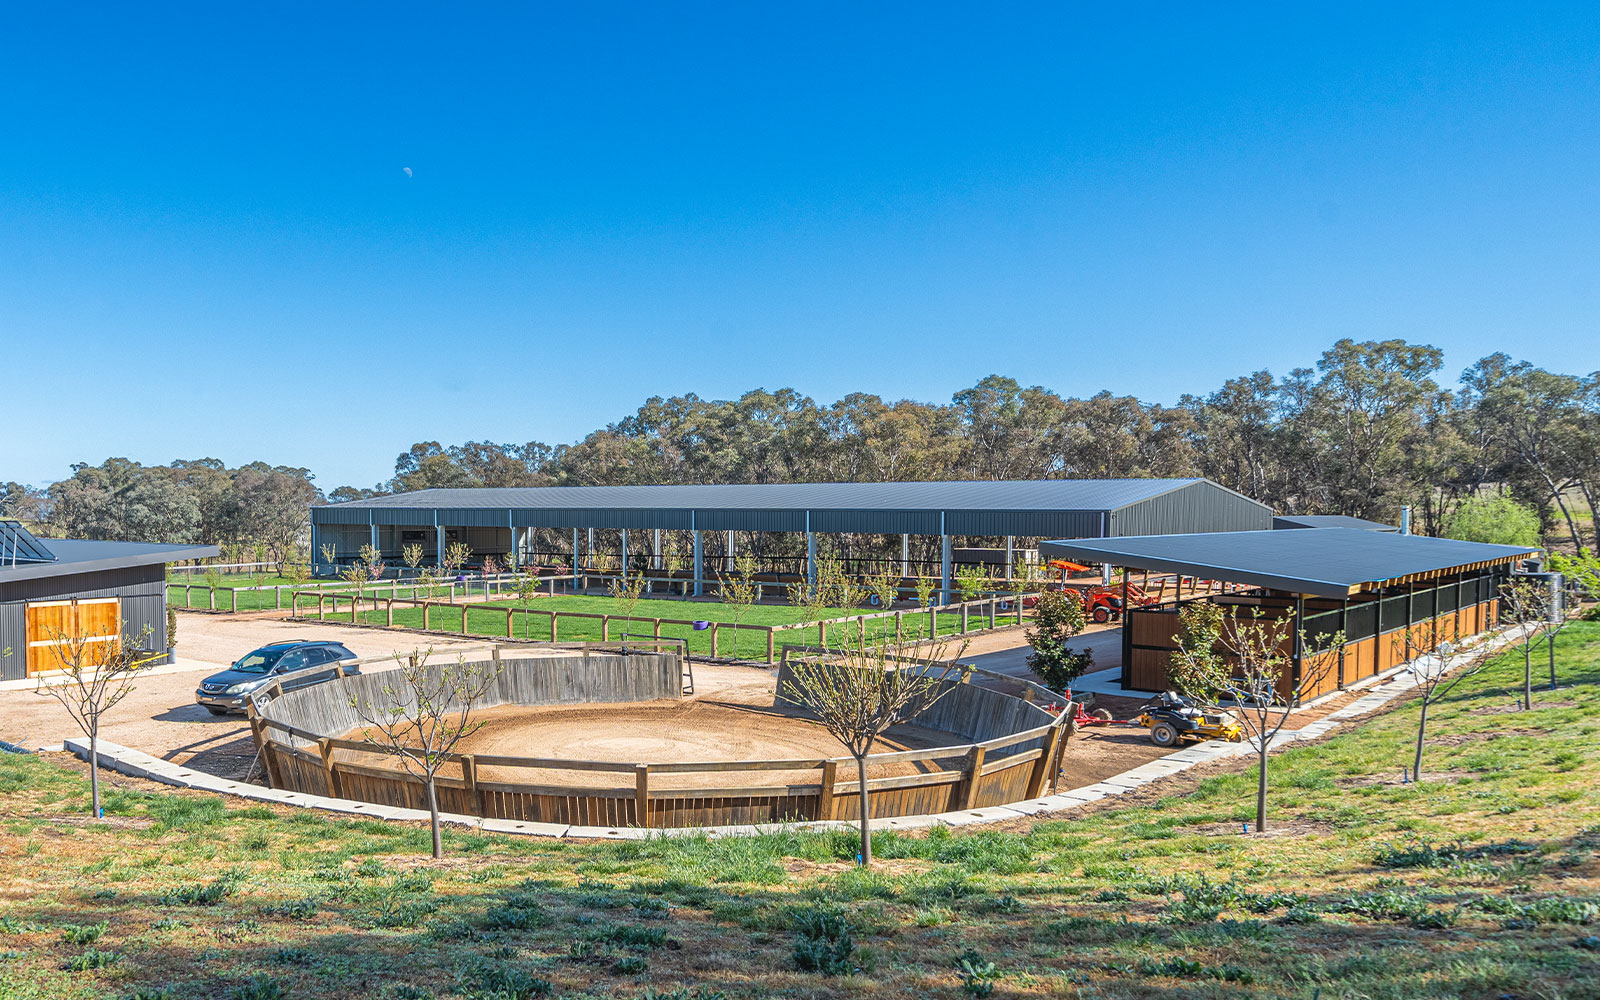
(56, 587)
(1369, 586)
(491, 520)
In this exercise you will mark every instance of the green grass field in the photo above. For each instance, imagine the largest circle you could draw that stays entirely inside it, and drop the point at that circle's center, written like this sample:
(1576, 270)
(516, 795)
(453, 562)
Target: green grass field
(1481, 882)
(489, 620)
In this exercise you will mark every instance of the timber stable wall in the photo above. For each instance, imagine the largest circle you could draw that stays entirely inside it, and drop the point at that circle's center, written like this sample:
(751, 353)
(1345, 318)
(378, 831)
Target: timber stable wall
(1375, 630)
(291, 733)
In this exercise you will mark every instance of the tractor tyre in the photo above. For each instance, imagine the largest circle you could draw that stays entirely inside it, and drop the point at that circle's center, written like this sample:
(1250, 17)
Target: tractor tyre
(1164, 734)
(1101, 714)
(1101, 616)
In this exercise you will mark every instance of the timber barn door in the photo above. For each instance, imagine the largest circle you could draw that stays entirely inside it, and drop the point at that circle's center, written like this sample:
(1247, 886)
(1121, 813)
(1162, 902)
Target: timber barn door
(50, 624)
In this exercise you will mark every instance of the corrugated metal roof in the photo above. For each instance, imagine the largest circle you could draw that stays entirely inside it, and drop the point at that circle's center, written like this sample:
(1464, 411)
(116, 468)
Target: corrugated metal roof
(75, 556)
(1030, 508)
(1324, 562)
(1044, 494)
(1329, 521)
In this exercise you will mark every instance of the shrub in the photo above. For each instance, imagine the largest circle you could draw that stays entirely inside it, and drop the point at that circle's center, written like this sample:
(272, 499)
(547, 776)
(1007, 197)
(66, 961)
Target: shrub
(977, 974)
(83, 933)
(630, 965)
(258, 987)
(204, 893)
(824, 943)
(94, 958)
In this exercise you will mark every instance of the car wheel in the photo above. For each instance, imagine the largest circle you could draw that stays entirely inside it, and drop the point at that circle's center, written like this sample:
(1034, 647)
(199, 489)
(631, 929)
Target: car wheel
(1164, 734)
(1101, 615)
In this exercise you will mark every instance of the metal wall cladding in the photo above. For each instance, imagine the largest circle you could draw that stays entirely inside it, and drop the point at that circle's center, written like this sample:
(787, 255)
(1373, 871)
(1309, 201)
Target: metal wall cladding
(1026, 523)
(872, 522)
(143, 591)
(341, 515)
(734, 519)
(1198, 507)
(602, 518)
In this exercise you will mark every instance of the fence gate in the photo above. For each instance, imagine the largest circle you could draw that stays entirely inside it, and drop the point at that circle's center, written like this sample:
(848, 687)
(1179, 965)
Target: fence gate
(53, 623)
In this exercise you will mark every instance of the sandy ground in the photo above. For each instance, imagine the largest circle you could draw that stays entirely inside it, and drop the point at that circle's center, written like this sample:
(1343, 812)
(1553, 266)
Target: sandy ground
(700, 729)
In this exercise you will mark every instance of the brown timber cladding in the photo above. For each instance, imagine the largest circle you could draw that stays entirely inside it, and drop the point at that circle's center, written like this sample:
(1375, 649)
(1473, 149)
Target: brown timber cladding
(1153, 640)
(1006, 767)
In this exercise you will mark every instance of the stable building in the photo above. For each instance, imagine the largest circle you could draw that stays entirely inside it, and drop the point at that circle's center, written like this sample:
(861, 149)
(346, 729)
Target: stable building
(59, 587)
(1376, 588)
(498, 521)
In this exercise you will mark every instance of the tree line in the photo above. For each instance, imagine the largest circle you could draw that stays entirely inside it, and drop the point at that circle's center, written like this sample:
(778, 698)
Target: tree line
(1368, 428)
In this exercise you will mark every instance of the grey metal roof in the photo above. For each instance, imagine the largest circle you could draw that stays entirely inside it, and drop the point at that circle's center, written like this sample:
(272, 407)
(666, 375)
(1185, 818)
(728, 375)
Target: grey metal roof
(1324, 562)
(74, 556)
(1329, 521)
(1032, 508)
(1043, 494)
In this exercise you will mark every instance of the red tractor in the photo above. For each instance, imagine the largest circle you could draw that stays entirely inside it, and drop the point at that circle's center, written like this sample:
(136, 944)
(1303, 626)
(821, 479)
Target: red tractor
(1100, 604)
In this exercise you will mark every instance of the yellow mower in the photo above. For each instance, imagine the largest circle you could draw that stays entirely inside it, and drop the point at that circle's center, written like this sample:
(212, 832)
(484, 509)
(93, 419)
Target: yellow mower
(1172, 719)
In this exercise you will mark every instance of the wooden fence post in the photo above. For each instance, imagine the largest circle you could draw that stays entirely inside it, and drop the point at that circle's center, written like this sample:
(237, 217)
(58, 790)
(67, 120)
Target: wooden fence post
(553, 626)
(233, 600)
(715, 628)
(211, 598)
(510, 625)
(388, 613)
(469, 775)
(830, 772)
(771, 632)
(320, 596)
(605, 628)
(325, 748)
(963, 617)
(974, 774)
(641, 794)
(1041, 767)
(425, 603)
(464, 619)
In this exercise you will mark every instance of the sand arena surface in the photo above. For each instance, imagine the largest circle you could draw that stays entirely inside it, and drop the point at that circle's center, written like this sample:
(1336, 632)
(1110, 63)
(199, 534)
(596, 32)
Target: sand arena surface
(672, 732)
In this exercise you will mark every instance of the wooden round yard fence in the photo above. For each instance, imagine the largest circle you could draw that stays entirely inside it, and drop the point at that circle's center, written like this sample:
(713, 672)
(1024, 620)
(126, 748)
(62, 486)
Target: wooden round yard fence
(1009, 750)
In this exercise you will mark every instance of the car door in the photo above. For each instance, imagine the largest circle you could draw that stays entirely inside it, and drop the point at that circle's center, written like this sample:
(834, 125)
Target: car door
(289, 663)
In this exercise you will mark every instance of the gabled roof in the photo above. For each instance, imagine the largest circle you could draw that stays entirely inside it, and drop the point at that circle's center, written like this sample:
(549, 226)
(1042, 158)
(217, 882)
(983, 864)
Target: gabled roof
(1329, 521)
(1041, 494)
(1326, 562)
(74, 556)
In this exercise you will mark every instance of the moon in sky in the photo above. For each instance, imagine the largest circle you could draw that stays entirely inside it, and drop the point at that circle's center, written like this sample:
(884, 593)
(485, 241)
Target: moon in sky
(407, 170)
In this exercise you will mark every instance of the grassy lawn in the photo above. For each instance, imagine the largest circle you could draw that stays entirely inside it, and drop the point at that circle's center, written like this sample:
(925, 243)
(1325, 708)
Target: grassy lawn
(1482, 881)
(489, 620)
(197, 594)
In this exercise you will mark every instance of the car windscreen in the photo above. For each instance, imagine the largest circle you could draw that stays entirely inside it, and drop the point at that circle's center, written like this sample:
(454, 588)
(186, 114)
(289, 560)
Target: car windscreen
(259, 662)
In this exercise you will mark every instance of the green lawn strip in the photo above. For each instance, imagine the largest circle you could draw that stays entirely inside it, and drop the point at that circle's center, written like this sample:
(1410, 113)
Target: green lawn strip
(489, 620)
(1481, 881)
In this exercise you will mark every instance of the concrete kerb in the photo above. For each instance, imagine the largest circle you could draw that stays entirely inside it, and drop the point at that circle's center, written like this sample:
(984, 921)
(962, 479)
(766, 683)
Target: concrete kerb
(138, 764)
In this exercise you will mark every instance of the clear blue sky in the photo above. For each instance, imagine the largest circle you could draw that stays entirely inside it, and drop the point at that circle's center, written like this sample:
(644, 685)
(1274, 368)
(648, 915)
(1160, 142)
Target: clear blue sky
(209, 245)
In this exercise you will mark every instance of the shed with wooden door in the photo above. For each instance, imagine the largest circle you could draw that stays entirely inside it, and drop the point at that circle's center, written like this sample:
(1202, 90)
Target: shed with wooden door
(57, 589)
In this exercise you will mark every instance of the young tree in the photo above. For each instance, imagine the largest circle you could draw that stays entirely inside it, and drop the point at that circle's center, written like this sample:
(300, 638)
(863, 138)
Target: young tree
(627, 592)
(412, 556)
(1433, 675)
(456, 555)
(885, 586)
(424, 713)
(971, 582)
(524, 589)
(859, 690)
(1528, 603)
(95, 674)
(1256, 667)
(1197, 669)
(923, 588)
(1056, 619)
(330, 555)
(740, 591)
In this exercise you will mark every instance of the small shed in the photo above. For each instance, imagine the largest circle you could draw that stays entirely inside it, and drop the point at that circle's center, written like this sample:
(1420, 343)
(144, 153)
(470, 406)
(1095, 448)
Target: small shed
(50, 588)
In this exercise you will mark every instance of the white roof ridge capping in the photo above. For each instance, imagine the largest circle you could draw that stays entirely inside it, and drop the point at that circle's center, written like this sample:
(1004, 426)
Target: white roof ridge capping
(1321, 562)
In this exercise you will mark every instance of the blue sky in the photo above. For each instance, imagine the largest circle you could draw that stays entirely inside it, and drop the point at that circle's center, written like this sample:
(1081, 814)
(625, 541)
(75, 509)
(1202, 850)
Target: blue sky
(209, 245)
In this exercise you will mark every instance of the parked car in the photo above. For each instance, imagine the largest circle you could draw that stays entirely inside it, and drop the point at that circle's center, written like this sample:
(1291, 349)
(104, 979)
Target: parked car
(226, 692)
